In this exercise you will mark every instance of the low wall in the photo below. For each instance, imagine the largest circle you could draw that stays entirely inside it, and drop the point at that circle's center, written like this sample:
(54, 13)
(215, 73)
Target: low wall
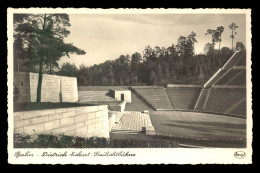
(151, 86)
(180, 86)
(85, 121)
(111, 120)
(120, 107)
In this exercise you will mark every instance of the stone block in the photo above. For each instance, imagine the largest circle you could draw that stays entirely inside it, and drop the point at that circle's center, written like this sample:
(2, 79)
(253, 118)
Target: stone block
(94, 121)
(88, 122)
(99, 114)
(61, 110)
(37, 128)
(82, 132)
(105, 124)
(55, 116)
(57, 131)
(81, 118)
(102, 107)
(91, 128)
(31, 114)
(48, 112)
(94, 108)
(103, 118)
(87, 109)
(22, 123)
(67, 121)
(68, 114)
(79, 110)
(75, 126)
(51, 125)
(98, 126)
(70, 109)
(70, 133)
(105, 112)
(91, 115)
(38, 120)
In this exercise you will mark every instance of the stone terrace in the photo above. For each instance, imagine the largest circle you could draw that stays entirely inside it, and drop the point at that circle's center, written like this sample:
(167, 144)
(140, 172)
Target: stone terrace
(131, 122)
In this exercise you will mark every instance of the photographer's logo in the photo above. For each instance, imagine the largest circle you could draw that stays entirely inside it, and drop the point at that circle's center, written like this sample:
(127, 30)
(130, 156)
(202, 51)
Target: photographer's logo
(239, 154)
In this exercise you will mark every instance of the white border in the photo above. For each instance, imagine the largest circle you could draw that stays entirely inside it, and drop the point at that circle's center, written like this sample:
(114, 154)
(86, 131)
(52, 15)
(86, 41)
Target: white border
(143, 156)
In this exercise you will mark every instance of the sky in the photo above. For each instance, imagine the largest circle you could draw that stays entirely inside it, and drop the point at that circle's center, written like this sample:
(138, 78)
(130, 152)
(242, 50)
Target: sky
(107, 36)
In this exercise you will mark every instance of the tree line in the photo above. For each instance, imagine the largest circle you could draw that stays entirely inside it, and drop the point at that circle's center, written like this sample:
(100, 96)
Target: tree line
(39, 45)
(157, 65)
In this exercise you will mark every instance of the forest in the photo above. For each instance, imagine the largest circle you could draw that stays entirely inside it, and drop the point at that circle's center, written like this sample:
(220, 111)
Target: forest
(156, 66)
(176, 64)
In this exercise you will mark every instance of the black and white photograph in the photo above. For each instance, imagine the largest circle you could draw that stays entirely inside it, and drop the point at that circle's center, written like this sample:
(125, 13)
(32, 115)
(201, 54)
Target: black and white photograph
(129, 86)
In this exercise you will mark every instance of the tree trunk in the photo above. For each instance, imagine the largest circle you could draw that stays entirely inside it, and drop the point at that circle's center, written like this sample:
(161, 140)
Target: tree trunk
(39, 87)
(232, 40)
(18, 68)
(50, 67)
(219, 45)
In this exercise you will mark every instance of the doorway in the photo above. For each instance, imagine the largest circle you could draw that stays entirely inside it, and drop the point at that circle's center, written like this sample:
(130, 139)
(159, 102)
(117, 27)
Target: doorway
(122, 97)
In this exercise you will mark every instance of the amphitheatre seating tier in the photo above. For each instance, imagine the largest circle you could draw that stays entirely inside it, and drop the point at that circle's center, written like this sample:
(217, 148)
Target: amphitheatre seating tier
(215, 78)
(240, 80)
(202, 100)
(156, 97)
(222, 99)
(229, 77)
(183, 98)
(235, 59)
(239, 109)
(242, 61)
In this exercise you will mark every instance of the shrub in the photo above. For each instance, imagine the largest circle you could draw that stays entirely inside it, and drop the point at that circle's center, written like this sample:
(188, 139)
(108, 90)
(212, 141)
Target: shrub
(63, 141)
(16, 94)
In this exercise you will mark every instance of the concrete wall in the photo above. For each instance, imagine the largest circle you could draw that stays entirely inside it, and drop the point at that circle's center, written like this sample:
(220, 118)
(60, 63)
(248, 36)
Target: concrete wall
(52, 86)
(21, 81)
(85, 121)
(120, 107)
(69, 89)
(111, 120)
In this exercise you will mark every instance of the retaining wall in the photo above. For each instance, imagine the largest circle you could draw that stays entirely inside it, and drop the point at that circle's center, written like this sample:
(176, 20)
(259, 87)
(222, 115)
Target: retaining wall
(120, 107)
(85, 121)
(111, 120)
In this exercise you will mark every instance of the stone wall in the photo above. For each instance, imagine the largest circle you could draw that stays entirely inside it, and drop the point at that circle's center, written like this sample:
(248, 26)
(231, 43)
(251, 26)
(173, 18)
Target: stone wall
(69, 89)
(84, 121)
(120, 107)
(111, 120)
(54, 88)
(21, 81)
(50, 91)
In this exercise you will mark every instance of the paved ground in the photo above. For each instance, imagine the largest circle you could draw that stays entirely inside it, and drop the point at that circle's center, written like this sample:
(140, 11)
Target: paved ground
(131, 122)
(198, 125)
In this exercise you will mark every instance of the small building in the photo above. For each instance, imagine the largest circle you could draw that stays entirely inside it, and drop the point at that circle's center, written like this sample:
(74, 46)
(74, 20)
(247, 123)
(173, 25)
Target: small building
(121, 94)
